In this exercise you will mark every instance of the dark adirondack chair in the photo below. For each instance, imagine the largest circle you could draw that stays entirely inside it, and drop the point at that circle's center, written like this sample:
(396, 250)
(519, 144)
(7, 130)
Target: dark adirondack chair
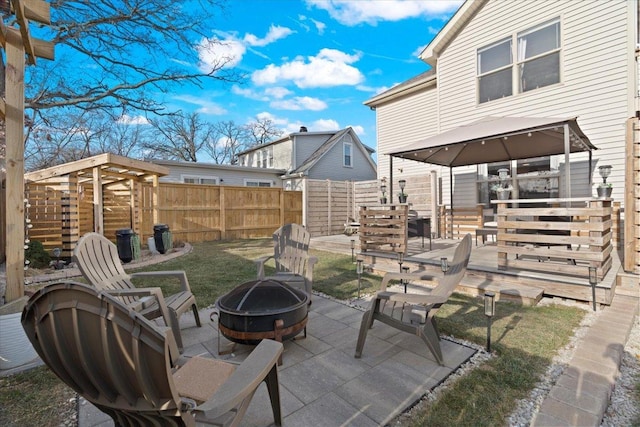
(129, 368)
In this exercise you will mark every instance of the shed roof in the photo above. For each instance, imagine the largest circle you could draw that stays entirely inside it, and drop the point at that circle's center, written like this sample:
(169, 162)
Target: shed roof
(113, 168)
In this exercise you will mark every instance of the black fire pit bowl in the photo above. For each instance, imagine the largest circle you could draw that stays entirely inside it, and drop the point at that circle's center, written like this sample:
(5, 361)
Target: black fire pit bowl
(254, 307)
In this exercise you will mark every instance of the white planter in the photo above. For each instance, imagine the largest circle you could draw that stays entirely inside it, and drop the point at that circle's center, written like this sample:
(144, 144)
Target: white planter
(15, 347)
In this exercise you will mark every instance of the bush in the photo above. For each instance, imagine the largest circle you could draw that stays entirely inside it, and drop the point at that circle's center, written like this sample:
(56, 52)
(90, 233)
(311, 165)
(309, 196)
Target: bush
(36, 254)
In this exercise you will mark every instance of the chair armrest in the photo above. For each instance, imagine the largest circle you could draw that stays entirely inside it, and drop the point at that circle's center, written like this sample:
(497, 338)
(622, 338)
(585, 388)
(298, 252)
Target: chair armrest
(260, 265)
(409, 276)
(311, 262)
(243, 382)
(416, 299)
(152, 292)
(181, 275)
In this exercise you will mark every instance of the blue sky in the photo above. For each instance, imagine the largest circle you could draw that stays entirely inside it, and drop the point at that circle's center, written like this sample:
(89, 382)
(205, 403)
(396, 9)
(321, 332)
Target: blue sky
(313, 63)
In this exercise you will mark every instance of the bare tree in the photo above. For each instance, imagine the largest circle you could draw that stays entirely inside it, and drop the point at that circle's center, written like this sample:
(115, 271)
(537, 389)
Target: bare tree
(232, 139)
(179, 137)
(127, 49)
(262, 131)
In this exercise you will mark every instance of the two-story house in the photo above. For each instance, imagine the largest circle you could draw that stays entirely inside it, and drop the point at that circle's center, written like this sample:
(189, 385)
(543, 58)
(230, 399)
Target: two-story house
(520, 59)
(335, 155)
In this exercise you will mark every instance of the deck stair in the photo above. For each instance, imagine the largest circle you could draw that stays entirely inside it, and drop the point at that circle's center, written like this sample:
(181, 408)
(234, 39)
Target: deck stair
(524, 287)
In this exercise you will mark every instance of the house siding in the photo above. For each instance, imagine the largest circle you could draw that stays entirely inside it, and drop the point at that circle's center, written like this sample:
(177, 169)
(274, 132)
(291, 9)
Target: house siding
(229, 175)
(331, 164)
(597, 86)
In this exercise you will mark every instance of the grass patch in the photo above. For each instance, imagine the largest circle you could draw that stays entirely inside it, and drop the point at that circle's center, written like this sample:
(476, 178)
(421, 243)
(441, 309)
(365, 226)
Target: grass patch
(524, 338)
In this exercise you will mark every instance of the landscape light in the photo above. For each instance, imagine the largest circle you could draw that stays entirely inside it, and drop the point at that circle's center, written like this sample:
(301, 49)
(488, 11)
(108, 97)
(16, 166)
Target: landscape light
(444, 264)
(489, 311)
(359, 270)
(593, 281)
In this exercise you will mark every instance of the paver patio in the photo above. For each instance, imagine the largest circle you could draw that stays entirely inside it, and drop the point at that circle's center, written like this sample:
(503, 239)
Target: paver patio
(321, 383)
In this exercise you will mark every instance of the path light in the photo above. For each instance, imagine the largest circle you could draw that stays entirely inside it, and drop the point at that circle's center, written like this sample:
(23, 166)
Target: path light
(593, 281)
(359, 270)
(353, 247)
(403, 280)
(400, 260)
(605, 171)
(444, 264)
(489, 311)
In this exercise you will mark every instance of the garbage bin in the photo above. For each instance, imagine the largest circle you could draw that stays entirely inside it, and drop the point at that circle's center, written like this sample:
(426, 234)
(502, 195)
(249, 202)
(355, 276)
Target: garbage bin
(162, 237)
(124, 242)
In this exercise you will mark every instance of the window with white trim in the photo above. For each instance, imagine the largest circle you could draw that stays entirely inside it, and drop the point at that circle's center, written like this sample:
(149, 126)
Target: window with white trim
(347, 149)
(198, 179)
(258, 183)
(537, 62)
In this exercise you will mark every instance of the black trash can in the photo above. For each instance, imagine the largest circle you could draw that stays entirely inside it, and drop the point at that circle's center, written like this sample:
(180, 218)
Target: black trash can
(124, 243)
(162, 237)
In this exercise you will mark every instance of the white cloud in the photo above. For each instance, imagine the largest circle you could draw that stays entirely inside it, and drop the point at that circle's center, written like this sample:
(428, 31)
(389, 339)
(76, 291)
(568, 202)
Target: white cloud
(359, 130)
(300, 103)
(205, 107)
(275, 33)
(248, 93)
(277, 92)
(133, 120)
(329, 68)
(320, 26)
(215, 52)
(352, 13)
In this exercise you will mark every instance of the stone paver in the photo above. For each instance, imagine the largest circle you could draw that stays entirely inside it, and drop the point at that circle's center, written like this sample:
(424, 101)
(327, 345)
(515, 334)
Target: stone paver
(581, 395)
(321, 382)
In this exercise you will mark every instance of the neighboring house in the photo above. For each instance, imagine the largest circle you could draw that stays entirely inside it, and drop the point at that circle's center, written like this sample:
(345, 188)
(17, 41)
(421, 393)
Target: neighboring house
(520, 58)
(335, 155)
(213, 174)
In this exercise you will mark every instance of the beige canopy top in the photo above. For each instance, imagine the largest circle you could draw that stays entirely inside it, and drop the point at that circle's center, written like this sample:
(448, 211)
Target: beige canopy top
(496, 139)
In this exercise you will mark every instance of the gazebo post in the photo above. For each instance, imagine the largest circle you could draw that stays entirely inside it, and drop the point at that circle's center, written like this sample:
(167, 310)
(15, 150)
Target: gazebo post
(98, 203)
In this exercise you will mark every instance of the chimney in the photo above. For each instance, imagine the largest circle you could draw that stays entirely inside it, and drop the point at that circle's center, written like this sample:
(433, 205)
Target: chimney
(303, 129)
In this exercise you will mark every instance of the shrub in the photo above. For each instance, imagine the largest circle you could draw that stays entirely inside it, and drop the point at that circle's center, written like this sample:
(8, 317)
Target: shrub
(36, 254)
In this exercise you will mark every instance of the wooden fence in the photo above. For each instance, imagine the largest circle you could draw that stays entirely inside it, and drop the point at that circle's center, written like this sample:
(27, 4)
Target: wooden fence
(62, 211)
(3, 218)
(383, 228)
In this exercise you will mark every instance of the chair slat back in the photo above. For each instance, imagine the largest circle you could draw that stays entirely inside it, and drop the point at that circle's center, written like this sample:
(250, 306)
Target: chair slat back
(290, 248)
(457, 269)
(106, 352)
(98, 260)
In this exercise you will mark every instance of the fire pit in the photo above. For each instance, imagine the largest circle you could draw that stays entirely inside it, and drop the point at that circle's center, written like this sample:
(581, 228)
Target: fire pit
(262, 309)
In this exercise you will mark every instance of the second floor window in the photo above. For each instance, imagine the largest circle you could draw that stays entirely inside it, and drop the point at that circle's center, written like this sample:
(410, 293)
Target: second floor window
(348, 154)
(537, 62)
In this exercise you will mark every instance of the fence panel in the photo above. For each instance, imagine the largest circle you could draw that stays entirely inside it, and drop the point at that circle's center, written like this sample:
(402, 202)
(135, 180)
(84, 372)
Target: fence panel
(3, 218)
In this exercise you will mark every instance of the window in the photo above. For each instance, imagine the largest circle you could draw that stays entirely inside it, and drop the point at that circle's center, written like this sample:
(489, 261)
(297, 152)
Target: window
(195, 179)
(537, 64)
(348, 154)
(265, 158)
(494, 71)
(258, 183)
(539, 57)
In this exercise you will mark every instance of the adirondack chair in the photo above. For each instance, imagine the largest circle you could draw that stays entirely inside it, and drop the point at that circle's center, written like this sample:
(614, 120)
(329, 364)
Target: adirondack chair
(98, 260)
(127, 366)
(414, 313)
(294, 266)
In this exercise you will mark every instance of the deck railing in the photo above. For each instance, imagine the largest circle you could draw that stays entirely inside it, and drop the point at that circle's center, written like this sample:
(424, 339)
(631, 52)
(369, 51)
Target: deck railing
(559, 236)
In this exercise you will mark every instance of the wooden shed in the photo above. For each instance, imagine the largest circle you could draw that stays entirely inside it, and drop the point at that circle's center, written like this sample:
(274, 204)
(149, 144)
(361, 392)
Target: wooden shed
(102, 193)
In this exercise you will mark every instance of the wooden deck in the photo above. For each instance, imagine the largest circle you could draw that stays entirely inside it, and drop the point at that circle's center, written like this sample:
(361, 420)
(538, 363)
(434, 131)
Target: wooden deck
(522, 286)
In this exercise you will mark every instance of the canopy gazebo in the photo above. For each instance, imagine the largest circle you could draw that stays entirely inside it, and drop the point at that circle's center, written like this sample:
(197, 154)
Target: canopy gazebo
(548, 229)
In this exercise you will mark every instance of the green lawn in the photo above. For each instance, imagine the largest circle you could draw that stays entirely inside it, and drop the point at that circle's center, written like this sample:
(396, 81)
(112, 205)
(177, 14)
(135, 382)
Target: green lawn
(525, 338)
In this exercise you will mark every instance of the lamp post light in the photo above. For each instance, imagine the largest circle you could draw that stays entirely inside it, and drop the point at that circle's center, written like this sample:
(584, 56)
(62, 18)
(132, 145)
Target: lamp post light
(489, 311)
(605, 171)
(400, 260)
(593, 281)
(353, 248)
(359, 270)
(404, 281)
(402, 183)
(383, 190)
(444, 264)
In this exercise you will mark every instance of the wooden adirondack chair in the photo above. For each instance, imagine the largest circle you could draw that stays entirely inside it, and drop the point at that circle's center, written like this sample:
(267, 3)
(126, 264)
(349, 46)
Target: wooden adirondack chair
(414, 313)
(98, 260)
(127, 366)
(294, 266)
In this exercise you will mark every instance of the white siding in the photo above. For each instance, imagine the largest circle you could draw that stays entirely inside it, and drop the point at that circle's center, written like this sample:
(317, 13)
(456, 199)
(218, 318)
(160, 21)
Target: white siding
(594, 85)
(229, 175)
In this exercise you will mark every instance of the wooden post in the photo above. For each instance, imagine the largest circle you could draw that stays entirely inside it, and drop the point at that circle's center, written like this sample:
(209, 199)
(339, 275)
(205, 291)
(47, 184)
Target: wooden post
(98, 212)
(223, 214)
(632, 148)
(156, 199)
(15, 221)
